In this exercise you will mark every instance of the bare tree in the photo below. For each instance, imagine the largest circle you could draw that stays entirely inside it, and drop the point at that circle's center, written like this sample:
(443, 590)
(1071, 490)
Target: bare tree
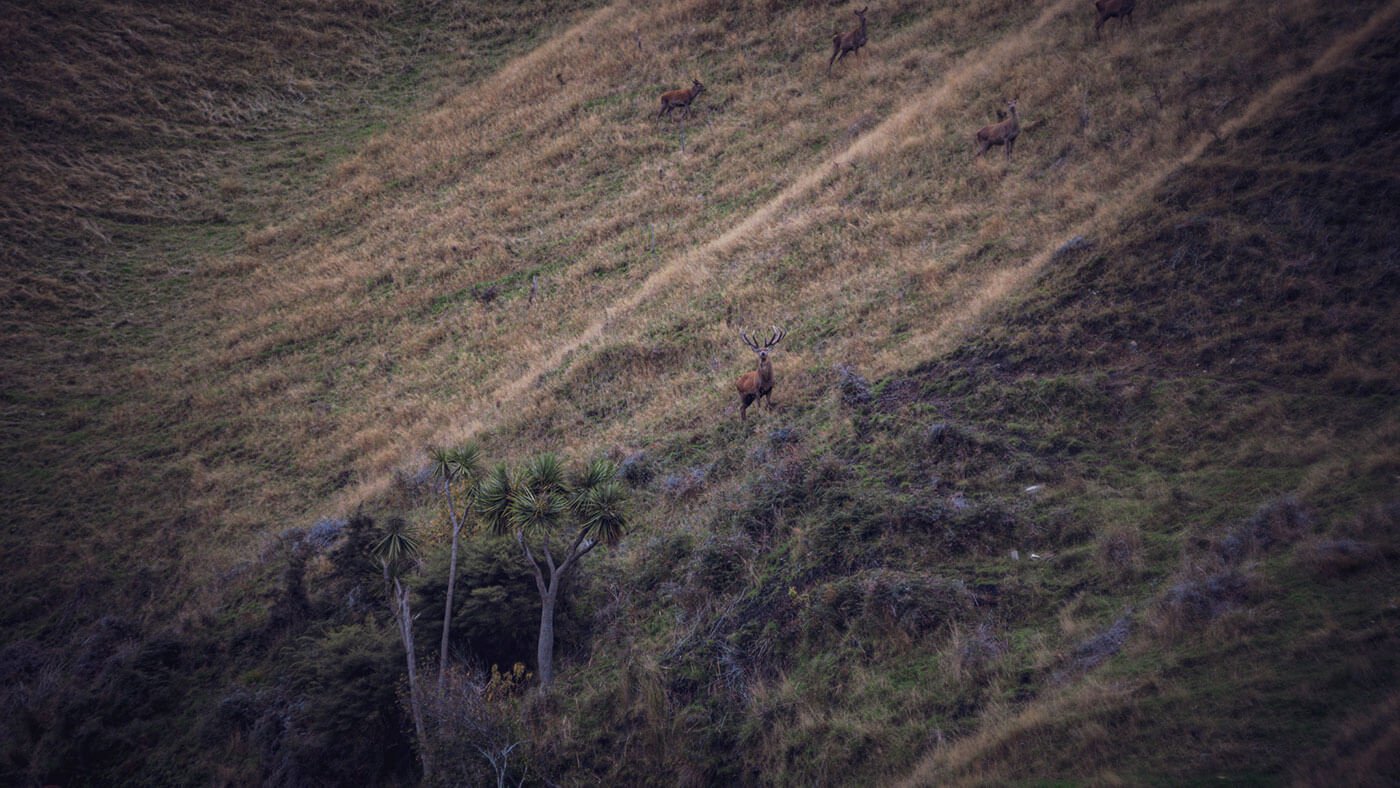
(470, 723)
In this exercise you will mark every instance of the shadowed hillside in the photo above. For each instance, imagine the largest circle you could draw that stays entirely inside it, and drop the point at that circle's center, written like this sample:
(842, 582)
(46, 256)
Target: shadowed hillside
(1082, 463)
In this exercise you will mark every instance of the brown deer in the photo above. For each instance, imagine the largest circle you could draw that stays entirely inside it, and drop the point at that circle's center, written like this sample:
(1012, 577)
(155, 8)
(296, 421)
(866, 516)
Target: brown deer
(758, 384)
(680, 98)
(850, 41)
(1003, 133)
(1108, 9)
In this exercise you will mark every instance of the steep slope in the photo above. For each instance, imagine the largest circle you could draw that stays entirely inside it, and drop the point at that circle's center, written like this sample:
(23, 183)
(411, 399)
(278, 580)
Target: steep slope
(1155, 349)
(142, 140)
(396, 313)
(1185, 429)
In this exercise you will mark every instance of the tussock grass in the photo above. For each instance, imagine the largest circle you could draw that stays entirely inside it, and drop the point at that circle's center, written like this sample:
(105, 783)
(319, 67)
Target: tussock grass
(535, 260)
(863, 199)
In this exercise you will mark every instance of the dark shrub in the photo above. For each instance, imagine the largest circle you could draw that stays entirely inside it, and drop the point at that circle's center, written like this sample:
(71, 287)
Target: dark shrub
(1199, 597)
(855, 389)
(343, 725)
(496, 612)
(636, 469)
(685, 483)
(883, 601)
(1282, 520)
(718, 562)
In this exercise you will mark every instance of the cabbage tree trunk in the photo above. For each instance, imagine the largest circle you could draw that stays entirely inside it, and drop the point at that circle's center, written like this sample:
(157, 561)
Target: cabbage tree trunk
(549, 597)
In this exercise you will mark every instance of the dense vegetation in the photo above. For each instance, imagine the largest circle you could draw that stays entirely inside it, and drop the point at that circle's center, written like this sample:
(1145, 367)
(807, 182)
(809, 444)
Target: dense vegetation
(1082, 465)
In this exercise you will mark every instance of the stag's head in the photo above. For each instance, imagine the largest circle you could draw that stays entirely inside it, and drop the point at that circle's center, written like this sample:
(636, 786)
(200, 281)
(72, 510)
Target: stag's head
(696, 88)
(861, 13)
(762, 350)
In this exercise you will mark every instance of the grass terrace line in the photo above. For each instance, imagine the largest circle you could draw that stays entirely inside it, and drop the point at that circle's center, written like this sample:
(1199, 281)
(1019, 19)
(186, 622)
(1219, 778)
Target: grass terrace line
(953, 328)
(694, 266)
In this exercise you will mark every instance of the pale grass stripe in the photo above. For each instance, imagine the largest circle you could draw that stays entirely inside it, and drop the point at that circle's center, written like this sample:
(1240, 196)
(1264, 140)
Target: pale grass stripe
(953, 327)
(964, 752)
(693, 266)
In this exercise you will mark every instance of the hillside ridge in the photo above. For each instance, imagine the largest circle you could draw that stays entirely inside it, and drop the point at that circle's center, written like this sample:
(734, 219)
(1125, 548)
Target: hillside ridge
(692, 263)
(1080, 467)
(1116, 205)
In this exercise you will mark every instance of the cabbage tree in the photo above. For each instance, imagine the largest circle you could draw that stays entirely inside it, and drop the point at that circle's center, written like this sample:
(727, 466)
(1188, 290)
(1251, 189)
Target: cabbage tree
(556, 520)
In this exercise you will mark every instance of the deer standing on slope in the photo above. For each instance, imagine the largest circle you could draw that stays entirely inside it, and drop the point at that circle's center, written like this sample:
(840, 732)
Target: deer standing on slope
(758, 384)
(850, 41)
(1003, 133)
(1108, 9)
(680, 98)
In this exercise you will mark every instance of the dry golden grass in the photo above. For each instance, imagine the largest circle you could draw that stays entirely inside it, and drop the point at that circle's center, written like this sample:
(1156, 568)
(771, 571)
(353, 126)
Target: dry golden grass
(347, 337)
(393, 308)
(990, 757)
(304, 364)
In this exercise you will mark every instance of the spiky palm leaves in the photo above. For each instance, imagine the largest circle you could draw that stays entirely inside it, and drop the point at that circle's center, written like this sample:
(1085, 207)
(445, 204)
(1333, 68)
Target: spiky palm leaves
(598, 500)
(493, 500)
(539, 497)
(451, 465)
(539, 501)
(397, 551)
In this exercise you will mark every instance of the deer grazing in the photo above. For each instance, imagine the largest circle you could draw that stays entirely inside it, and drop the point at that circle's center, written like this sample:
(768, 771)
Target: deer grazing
(850, 41)
(1003, 133)
(758, 384)
(1108, 9)
(680, 98)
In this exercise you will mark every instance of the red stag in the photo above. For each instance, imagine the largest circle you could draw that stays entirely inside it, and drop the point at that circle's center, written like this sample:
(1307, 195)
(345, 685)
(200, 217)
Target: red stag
(1003, 133)
(680, 98)
(850, 41)
(1108, 9)
(758, 384)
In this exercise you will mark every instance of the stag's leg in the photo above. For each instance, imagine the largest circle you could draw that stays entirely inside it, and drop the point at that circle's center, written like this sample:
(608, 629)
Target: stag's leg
(745, 400)
(1011, 143)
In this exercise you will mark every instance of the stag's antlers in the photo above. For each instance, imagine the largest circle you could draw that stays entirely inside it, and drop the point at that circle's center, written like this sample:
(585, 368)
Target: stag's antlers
(774, 339)
(758, 384)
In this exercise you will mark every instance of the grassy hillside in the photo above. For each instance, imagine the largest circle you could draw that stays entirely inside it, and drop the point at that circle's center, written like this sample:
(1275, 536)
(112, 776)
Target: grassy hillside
(1082, 465)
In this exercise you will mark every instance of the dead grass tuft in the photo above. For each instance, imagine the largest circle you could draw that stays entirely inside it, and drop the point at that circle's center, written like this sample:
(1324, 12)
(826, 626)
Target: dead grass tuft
(970, 654)
(1118, 551)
